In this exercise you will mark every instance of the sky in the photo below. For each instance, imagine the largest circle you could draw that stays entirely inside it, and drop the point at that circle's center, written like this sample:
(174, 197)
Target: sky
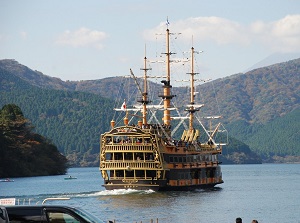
(94, 39)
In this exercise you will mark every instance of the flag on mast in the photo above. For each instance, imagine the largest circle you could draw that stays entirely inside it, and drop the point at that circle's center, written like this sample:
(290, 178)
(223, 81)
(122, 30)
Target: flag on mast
(123, 107)
(167, 22)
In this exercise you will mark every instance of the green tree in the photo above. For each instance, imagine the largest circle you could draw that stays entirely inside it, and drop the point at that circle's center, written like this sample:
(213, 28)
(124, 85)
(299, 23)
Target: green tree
(23, 152)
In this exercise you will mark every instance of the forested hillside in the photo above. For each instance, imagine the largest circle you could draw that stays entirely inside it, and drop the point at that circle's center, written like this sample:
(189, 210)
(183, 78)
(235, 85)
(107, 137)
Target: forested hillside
(261, 95)
(257, 96)
(282, 135)
(72, 120)
(23, 152)
(251, 104)
(75, 120)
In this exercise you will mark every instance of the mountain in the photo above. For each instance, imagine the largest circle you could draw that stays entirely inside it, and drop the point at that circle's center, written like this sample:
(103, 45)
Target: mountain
(251, 103)
(260, 95)
(72, 120)
(274, 59)
(35, 78)
(257, 96)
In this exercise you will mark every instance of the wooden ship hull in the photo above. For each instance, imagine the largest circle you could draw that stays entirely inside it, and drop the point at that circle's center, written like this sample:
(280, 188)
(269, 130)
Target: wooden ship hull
(146, 155)
(137, 158)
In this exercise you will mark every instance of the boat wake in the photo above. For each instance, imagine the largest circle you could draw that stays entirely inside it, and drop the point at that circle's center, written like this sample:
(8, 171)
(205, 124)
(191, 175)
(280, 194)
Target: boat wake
(124, 192)
(110, 193)
(116, 192)
(24, 198)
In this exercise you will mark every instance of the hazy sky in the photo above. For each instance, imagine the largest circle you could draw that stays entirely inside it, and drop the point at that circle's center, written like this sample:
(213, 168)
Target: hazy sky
(93, 39)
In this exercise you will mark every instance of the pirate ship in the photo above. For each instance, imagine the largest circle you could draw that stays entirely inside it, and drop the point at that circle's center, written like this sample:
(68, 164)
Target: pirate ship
(146, 155)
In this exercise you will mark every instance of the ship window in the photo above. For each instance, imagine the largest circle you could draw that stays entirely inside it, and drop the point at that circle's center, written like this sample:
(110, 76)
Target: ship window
(132, 139)
(118, 156)
(108, 139)
(149, 156)
(195, 174)
(140, 173)
(129, 173)
(207, 173)
(188, 175)
(181, 176)
(139, 156)
(208, 158)
(192, 175)
(128, 156)
(185, 175)
(119, 173)
(137, 140)
(203, 174)
(210, 173)
(108, 156)
(150, 173)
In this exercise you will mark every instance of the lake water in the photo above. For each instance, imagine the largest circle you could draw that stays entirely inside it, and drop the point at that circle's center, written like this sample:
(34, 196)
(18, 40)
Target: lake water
(268, 192)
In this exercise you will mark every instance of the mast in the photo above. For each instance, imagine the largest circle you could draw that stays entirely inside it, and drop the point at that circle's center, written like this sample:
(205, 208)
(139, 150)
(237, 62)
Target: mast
(167, 87)
(166, 96)
(192, 109)
(192, 102)
(144, 99)
(145, 93)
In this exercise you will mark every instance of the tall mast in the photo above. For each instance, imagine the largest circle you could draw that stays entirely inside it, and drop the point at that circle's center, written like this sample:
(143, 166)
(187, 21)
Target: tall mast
(192, 109)
(145, 93)
(145, 100)
(166, 96)
(192, 102)
(168, 53)
(167, 87)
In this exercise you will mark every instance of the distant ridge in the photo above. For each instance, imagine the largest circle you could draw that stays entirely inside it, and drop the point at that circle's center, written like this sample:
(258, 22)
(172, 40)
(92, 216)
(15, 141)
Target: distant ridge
(253, 96)
(250, 103)
(274, 59)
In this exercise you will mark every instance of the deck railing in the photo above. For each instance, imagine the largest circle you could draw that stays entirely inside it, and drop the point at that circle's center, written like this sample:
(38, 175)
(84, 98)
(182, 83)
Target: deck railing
(138, 165)
(128, 147)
